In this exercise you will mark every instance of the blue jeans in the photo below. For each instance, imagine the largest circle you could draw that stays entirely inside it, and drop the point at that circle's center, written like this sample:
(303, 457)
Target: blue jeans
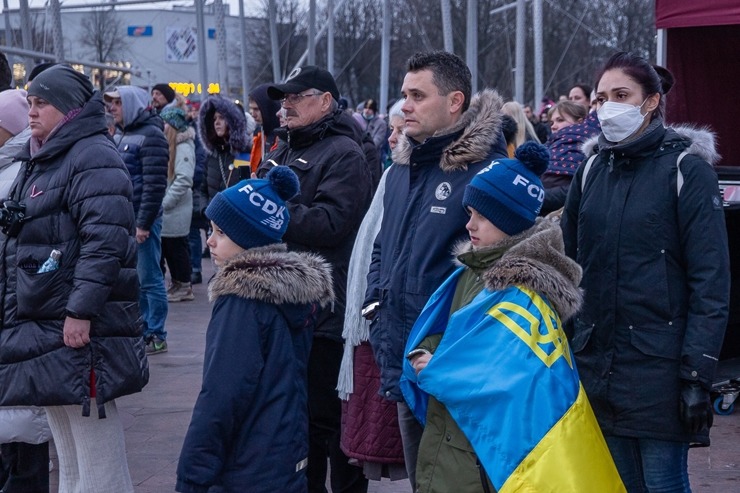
(153, 295)
(651, 466)
(196, 248)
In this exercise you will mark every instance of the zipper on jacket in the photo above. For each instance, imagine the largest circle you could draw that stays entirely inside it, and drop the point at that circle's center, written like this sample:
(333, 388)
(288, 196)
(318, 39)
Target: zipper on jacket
(611, 161)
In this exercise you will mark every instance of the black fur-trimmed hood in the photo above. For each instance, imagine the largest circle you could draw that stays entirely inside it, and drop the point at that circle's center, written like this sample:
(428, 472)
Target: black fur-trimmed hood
(274, 275)
(703, 142)
(241, 126)
(537, 260)
(480, 126)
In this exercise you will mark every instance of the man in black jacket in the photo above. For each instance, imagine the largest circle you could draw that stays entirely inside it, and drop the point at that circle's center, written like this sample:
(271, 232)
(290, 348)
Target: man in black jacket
(323, 148)
(145, 151)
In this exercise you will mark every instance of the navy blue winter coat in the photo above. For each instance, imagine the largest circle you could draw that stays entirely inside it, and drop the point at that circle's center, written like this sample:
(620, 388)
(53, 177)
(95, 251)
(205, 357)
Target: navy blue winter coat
(249, 430)
(145, 151)
(423, 218)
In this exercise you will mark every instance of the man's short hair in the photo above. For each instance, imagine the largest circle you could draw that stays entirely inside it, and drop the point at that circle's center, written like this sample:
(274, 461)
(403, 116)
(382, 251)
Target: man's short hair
(449, 72)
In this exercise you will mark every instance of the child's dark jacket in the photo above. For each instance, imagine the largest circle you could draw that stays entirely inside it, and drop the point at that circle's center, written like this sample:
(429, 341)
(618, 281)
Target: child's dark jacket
(249, 430)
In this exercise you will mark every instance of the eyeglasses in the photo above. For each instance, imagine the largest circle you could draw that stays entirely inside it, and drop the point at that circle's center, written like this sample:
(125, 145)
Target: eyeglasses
(293, 99)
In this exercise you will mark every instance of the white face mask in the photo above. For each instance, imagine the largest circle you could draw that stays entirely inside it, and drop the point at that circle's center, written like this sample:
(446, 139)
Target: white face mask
(619, 120)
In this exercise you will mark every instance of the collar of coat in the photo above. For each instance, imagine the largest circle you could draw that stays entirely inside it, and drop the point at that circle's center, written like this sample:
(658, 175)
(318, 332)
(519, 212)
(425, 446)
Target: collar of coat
(185, 135)
(274, 275)
(478, 127)
(536, 259)
(700, 141)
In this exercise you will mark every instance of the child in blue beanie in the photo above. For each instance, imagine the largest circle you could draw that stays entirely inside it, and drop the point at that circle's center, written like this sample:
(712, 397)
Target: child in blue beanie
(249, 429)
(488, 368)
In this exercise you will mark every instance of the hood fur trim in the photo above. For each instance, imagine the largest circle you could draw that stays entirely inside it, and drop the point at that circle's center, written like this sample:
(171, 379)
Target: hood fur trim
(241, 125)
(537, 260)
(703, 142)
(274, 275)
(480, 124)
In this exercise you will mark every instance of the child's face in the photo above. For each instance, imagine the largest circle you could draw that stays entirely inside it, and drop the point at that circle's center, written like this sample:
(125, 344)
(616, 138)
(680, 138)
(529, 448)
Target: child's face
(482, 231)
(221, 246)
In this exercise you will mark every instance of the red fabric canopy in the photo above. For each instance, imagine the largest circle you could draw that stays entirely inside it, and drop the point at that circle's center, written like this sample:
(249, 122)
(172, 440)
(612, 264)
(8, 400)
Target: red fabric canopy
(694, 13)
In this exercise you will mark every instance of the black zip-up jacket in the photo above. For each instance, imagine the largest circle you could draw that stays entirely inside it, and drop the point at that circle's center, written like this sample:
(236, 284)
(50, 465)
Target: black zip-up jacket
(655, 278)
(77, 194)
(336, 189)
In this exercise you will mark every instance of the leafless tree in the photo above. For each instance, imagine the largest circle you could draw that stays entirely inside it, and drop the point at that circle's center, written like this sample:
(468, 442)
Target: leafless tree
(578, 35)
(102, 33)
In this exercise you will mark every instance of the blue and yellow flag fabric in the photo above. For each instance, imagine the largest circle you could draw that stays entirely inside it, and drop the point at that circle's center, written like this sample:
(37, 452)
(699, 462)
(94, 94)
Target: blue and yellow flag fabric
(506, 375)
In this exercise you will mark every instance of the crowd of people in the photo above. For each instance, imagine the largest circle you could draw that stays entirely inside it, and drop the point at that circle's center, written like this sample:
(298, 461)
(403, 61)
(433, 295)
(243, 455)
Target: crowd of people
(461, 292)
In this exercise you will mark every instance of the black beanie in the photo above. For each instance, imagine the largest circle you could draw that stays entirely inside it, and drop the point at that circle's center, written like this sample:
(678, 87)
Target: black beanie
(62, 86)
(38, 69)
(166, 90)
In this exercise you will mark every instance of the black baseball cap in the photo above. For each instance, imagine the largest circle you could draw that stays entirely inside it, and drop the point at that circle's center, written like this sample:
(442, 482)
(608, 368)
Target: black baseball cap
(302, 78)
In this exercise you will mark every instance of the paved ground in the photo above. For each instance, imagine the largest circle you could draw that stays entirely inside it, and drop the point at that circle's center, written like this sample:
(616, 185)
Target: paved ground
(156, 419)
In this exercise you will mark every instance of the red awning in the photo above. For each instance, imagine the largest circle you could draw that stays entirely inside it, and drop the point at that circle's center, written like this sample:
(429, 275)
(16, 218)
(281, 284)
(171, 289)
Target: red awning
(693, 13)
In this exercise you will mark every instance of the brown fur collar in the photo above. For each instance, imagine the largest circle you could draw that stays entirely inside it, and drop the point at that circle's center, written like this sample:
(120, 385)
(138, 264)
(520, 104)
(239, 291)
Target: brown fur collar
(274, 275)
(537, 260)
(480, 124)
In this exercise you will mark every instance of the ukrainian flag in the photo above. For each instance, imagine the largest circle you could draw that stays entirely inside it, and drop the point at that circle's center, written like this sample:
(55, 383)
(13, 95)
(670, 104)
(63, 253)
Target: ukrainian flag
(505, 373)
(242, 159)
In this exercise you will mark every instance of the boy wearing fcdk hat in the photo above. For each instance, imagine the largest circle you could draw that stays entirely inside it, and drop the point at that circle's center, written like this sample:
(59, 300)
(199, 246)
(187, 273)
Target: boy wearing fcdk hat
(249, 430)
(488, 367)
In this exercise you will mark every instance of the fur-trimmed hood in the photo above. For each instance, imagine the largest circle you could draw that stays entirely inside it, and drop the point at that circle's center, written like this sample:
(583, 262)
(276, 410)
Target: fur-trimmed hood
(537, 260)
(480, 126)
(703, 142)
(274, 275)
(241, 125)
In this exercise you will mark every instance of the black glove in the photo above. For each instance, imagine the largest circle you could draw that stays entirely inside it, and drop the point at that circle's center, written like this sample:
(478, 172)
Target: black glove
(695, 408)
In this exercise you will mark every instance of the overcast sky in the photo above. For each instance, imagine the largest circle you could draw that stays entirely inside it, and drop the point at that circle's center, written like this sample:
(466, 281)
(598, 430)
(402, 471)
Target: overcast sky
(251, 7)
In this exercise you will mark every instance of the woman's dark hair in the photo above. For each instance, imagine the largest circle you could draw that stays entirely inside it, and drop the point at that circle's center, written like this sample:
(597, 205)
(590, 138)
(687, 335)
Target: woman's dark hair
(586, 89)
(651, 78)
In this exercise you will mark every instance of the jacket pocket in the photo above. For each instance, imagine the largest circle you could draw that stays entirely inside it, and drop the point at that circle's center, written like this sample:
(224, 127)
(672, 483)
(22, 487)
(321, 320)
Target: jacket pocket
(660, 340)
(41, 296)
(581, 334)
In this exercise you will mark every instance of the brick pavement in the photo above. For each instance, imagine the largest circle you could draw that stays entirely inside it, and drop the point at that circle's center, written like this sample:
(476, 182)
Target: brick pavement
(156, 419)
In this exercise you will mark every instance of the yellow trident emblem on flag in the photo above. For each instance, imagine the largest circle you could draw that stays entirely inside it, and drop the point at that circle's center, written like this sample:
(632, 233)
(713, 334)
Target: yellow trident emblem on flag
(551, 337)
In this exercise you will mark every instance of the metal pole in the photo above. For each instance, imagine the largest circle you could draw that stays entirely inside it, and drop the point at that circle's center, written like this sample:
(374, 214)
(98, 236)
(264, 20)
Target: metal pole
(222, 67)
(471, 43)
(56, 30)
(201, 28)
(9, 40)
(385, 55)
(330, 37)
(519, 58)
(274, 46)
(447, 25)
(312, 32)
(318, 36)
(243, 43)
(537, 21)
(26, 32)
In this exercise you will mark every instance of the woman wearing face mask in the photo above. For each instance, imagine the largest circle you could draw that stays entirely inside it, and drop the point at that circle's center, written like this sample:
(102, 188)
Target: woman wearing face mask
(651, 238)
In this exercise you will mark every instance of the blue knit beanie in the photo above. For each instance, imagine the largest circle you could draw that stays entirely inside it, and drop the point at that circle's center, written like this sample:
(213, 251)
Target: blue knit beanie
(252, 213)
(508, 192)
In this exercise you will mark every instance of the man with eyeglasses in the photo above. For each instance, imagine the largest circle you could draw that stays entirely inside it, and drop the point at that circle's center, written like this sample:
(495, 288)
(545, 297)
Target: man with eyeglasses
(323, 146)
